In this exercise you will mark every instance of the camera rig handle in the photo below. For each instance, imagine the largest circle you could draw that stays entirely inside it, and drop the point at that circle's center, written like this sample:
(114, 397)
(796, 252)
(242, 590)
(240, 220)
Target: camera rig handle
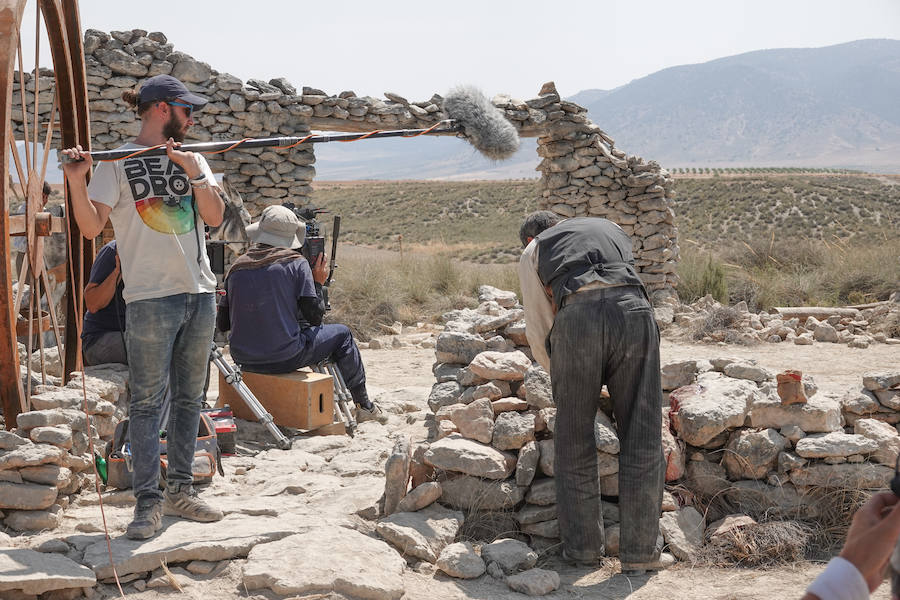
(335, 232)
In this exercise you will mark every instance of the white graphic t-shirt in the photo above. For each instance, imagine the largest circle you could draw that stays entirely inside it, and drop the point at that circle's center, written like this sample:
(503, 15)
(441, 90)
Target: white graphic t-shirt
(154, 216)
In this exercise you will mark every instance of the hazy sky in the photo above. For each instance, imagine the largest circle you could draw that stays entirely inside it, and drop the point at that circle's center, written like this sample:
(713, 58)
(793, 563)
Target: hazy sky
(418, 48)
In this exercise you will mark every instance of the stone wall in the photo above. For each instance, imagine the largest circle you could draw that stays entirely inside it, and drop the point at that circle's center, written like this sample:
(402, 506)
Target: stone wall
(46, 460)
(583, 173)
(732, 444)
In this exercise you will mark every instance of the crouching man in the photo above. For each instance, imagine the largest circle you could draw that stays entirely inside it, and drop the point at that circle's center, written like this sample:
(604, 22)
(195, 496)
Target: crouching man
(273, 307)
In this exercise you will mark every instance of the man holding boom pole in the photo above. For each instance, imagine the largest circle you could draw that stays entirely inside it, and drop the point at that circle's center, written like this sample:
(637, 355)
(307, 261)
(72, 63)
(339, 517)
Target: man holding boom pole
(157, 205)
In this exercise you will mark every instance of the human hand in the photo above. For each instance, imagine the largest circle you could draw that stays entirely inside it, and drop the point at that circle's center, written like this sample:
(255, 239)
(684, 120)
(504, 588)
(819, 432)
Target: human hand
(872, 536)
(79, 162)
(320, 270)
(186, 160)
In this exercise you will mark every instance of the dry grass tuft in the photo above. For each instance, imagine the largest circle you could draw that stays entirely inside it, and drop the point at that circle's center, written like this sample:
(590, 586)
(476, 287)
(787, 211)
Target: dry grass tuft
(762, 545)
(722, 318)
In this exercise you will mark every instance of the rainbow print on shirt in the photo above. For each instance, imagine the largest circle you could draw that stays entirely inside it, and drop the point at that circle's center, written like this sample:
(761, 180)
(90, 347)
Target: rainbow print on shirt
(162, 194)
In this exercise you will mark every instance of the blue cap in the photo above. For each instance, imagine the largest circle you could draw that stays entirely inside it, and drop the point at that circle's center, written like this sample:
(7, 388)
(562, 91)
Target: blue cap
(162, 87)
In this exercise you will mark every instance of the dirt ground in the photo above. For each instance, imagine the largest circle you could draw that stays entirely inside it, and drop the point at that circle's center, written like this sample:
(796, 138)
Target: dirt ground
(406, 373)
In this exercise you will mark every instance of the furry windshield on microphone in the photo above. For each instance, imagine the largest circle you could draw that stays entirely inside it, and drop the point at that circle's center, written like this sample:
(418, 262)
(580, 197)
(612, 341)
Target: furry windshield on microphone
(483, 124)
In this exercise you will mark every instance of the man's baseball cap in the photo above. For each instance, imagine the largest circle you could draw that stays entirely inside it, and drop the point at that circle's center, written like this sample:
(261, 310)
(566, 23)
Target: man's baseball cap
(164, 87)
(278, 226)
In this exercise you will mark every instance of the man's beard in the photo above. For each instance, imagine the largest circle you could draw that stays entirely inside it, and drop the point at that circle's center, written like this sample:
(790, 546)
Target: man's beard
(173, 128)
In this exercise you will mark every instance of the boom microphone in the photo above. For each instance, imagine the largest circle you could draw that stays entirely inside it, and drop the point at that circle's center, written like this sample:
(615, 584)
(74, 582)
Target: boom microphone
(482, 123)
(472, 117)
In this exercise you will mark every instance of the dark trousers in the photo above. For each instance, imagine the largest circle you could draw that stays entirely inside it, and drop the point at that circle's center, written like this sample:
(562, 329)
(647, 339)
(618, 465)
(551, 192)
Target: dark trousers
(334, 342)
(607, 336)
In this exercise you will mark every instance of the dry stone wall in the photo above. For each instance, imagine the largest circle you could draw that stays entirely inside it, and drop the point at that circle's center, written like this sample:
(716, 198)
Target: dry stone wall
(583, 173)
(46, 460)
(732, 445)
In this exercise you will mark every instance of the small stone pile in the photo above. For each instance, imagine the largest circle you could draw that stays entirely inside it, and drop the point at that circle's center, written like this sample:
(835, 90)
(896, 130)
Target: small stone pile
(46, 459)
(709, 321)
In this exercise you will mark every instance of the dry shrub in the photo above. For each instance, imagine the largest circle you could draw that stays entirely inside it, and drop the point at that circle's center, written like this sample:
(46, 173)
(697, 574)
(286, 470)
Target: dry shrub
(767, 544)
(720, 318)
(836, 508)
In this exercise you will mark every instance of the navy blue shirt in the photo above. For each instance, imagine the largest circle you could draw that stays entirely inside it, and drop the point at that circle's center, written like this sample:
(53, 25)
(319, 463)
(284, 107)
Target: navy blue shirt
(112, 316)
(264, 309)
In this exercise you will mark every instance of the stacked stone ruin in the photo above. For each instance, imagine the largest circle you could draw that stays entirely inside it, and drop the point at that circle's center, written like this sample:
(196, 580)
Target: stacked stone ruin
(583, 173)
(45, 460)
(735, 452)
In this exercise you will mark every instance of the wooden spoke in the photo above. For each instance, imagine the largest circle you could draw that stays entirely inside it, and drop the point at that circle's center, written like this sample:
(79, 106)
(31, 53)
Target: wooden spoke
(24, 105)
(15, 154)
(51, 308)
(34, 80)
(49, 138)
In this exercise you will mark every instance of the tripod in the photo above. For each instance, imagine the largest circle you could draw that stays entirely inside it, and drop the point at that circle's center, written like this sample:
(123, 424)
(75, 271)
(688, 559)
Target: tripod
(233, 376)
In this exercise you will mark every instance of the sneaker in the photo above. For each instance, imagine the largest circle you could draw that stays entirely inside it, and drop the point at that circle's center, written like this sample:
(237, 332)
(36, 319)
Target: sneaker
(664, 561)
(186, 503)
(147, 520)
(370, 414)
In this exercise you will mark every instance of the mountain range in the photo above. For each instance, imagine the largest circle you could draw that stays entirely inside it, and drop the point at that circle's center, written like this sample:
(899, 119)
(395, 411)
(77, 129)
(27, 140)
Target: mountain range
(835, 106)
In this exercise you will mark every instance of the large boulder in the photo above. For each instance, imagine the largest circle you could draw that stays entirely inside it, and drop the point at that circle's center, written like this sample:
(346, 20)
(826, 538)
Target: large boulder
(512, 430)
(847, 475)
(884, 435)
(473, 493)
(461, 561)
(456, 453)
(820, 413)
(423, 534)
(835, 443)
(458, 347)
(715, 403)
(507, 366)
(752, 454)
(683, 531)
(510, 555)
(475, 421)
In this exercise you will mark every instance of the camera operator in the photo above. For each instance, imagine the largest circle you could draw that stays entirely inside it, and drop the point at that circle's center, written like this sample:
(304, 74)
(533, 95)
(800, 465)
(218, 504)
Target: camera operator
(273, 307)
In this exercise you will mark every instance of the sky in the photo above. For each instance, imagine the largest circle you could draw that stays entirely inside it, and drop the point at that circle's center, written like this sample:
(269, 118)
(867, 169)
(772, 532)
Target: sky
(419, 48)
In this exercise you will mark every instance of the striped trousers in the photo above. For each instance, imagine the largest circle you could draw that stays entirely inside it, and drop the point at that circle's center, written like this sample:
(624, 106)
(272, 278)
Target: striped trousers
(607, 336)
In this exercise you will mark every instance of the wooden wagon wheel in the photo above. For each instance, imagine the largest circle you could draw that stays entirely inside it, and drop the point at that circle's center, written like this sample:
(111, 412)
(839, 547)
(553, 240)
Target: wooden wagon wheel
(65, 124)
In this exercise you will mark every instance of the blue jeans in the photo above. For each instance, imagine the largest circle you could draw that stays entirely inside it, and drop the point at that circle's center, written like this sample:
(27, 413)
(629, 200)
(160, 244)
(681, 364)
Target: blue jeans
(333, 342)
(104, 348)
(170, 335)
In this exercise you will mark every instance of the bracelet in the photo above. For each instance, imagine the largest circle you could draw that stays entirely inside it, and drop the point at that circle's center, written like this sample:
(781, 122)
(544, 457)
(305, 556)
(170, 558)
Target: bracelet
(201, 185)
(198, 178)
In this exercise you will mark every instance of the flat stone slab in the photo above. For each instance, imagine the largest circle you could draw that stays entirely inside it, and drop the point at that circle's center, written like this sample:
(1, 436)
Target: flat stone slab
(423, 534)
(34, 572)
(326, 560)
(456, 453)
(183, 541)
(819, 415)
(703, 410)
(835, 443)
(852, 476)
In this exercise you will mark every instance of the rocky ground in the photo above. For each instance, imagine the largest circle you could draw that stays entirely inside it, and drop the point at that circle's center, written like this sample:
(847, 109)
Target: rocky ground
(298, 522)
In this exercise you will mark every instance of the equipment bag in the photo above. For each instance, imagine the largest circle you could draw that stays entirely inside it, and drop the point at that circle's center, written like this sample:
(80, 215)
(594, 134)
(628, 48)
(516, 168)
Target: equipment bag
(207, 457)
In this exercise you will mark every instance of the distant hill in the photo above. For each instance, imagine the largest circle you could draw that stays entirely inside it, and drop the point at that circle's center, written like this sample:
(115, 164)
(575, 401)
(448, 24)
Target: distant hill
(819, 107)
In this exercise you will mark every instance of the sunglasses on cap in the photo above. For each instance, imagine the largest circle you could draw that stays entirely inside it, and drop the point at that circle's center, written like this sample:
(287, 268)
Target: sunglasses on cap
(189, 107)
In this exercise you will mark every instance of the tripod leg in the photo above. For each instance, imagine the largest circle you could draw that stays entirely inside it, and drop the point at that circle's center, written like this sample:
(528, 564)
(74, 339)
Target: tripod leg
(233, 377)
(345, 399)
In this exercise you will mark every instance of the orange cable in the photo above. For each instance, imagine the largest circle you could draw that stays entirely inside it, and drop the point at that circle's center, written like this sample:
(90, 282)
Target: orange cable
(78, 329)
